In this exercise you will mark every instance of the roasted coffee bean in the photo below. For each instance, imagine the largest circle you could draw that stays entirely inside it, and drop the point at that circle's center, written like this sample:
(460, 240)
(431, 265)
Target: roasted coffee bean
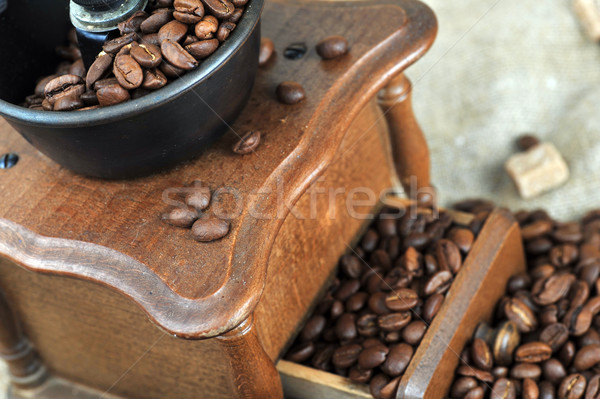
(390, 389)
(503, 389)
(578, 320)
(481, 355)
(206, 28)
(359, 375)
(413, 333)
(345, 327)
(521, 371)
(210, 229)
(372, 357)
(248, 143)
(332, 47)
(177, 56)
(290, 93)
(553, 371)
(554, 288)
(463, 238)
(547, 390)
(462, 386)
(220, 8)
(432, 307)
(64, 86)
(356, 302)
(171, 71)
(527, 141)
(506, 341)
(313, 328)
(567, 353)
(555, 335)
(346, 356)
(154, 79)
(99, 68)
(267, 48)
(593, 388)
(538, 246)
(411, 261)
(530, 389)
(115, 45)
(322, 357)
(89, 98)
(346, 289)
(448, 256)
(41, 85)
(377, 384)
(394, 321)
(173, 31)
(438, 283)
(589, 338)
(132, 24)
(157, 20)
(78, 68)
(377, 302)
(301, 352)
(481, 375)
(68, 103)
(367, 326)
(533, 352)
(150, 38)
(521, 315)
(536, 229)
(397, 360)
(180, 217)
(572, 387)
(147, 55)
(401, 300)
(587, 357)
(128, 72)
(188, 11)
(225, 30)
(475, 393)
(111, 94)
(351, 266)
(199, 197)
(202, 48)
(563, 255)
(236, 16)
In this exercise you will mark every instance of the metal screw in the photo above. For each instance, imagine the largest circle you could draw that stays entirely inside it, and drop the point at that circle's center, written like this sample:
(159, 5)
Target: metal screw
(295, 51)
(9, 160)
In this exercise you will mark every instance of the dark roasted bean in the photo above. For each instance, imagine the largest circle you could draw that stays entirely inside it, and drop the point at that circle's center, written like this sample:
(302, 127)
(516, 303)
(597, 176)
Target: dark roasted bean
(267, 48)
(290, 93)
(157, 20)
(572, 387)
(248, 143)
(111, 94)
(202, 48)
(206, 28)
(115, 45)
(180, 217)
(132, 24)
(173, 31)
(533, 352)
(481, 355)
(332, 47)
(177, 55)
(220, 8)
(225, 30)
(210, 229)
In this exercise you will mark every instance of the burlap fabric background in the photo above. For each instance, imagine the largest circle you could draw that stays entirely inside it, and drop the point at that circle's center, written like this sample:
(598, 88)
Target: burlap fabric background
(497, 69)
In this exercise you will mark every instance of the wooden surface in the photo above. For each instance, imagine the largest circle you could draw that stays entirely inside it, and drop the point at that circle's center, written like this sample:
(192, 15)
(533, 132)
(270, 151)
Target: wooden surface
(114, 230)
(496, 256)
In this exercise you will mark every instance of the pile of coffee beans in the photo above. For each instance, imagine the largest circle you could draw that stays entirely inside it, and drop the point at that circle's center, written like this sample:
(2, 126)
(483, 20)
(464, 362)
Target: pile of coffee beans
(546, 340)
(192, 214)
(387, 291)
(155, 46)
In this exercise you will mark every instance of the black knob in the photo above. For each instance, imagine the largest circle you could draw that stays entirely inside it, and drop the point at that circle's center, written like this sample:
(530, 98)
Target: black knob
(99, 5)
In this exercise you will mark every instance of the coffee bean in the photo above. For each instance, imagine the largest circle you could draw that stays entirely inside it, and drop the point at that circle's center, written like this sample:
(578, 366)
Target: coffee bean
(547, 390)
(171, 71)
(267, 48)
(111, 94)
(210, 229)
(177, 56)
(206, 28)
(132, 24)
(128, 72)
(290, 93)
(567, 353)
(521, 315)
(332, 47)
(199, 198)
(413, 333)
(89, 98)
(506, 340)
(180, 217)
(462, 386)
(555, 335)
(390, 389)
(220, 8)
(448, 256)
(530, 389)
(593, 388)
(438, 283)
(68, 103)
(147, 55)
(359, 375)
(394, 321)
(553, 371)
(99, 68)
(572, 387)
(301, 352)
(188, 11)
(377, 302)
(587, 357)
(554, 288)
(527, 141)
(536, 229)
(401, 300)
(346, 356)
(64, 86)
(41, 85)
(345, 328)
(346, 289)
(157, 20)
(563, 255)
(173, 31)
(356, 302)
(525, 370)
(378, 382)
(78, 69)
(432, 307)
(203, 48)
(372, 357)
(503, 389)
(462, 238)
(237, 14)
(533, 352)
(481, 375)
(367, 325)
(322, 357)
(578, 320)
(481, 355)
(115, 45)
(154, 79)
(248, 143)
(313, 328)
(224, 31)
(397, 360)
(351, 266)
(475, 393)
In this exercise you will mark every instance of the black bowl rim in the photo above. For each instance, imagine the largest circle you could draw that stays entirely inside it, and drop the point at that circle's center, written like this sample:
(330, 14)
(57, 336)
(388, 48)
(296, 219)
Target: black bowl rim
(128, 109)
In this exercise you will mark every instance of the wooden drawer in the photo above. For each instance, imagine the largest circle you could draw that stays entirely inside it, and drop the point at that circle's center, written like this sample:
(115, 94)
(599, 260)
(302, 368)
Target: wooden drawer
(496, 255)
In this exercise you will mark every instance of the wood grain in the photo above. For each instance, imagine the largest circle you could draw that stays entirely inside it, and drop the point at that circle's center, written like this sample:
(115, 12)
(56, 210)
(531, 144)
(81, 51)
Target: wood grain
(299, 145)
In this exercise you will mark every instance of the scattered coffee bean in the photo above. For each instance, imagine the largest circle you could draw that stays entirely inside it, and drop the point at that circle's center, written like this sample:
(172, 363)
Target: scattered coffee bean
(332, 47)
(290, 93)
(180, 217)
(248, 143)
(210, 229)
(266, 51)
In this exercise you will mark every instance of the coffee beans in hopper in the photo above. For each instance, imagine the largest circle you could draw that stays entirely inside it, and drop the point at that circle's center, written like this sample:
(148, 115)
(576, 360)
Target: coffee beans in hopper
(387, 291)
(545, 342)
(155, 46)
